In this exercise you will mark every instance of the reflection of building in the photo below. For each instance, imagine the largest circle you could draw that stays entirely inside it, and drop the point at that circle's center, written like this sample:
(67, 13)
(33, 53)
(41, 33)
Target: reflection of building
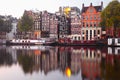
(53, 58)
(90, 22)
(90, 64)
(75, 60)
(64, 57)
(45, 61)
(78, 59)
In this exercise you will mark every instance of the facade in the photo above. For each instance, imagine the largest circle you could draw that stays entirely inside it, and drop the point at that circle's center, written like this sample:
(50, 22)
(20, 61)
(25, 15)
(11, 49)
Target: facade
(37, 25)
(45, 28)
(68, 22)
(64, 26)
(90, 22)
(75, 23)
(30, 13)
(75, 60)
(53, 26)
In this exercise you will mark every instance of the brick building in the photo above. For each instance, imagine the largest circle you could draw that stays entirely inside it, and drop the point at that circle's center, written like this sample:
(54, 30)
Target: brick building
(90, 22)
(64, 25)
(75, 23)
(37, 25)
(53, 26)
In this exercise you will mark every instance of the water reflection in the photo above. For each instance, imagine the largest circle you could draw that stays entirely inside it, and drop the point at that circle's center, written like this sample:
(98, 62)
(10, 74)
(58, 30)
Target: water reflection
(74, 63)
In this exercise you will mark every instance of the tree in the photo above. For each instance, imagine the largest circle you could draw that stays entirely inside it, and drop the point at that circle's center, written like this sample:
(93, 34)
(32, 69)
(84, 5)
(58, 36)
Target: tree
(111, 16)
(25, 23)
(5, 25)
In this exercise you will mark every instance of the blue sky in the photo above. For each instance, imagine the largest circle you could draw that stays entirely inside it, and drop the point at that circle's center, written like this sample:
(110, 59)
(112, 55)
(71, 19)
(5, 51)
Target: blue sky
(17, 7)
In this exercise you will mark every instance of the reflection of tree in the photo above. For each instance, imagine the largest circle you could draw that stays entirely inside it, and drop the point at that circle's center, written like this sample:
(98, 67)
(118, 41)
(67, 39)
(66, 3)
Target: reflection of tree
(111, 71)
(26, 62)
(5, 58)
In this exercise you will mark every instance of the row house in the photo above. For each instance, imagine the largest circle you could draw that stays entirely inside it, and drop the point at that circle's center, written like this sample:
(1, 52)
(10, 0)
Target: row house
(30, 13)
(45, 25)
(37, 25)
(63, 24)
(69, 22)
(90, 22)
(45, 28)
(75, 23)
(53, 26)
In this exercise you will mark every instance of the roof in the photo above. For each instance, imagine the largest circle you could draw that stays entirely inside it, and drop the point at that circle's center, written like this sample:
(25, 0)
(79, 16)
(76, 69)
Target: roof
(98, 8)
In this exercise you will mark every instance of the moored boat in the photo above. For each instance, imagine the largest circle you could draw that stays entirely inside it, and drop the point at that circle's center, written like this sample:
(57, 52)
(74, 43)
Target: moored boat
(25, 41)
(113, 41)
(82, 42)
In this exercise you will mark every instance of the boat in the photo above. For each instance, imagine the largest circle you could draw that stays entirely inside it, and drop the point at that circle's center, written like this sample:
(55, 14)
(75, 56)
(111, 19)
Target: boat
(42, 41)
(25, 41)
(81, 42)
(113, 41)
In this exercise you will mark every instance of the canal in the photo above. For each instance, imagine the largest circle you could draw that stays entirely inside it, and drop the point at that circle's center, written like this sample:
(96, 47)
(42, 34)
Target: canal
(59, 63)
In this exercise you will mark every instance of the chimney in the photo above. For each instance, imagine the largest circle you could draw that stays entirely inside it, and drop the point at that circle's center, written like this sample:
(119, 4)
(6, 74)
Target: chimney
(60, 9)
(83, 5)
(102, 4)
(90, 4)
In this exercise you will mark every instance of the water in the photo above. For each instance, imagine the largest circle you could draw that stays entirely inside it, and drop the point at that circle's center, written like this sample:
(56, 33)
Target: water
(59, 63)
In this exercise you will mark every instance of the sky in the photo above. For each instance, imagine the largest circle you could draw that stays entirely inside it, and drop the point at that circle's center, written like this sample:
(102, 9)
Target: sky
(17, 7)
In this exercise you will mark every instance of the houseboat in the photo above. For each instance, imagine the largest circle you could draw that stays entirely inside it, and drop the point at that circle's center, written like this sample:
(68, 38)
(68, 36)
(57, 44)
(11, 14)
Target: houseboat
(25, 41)
(30, 41)
(113, 41)
(69, 41)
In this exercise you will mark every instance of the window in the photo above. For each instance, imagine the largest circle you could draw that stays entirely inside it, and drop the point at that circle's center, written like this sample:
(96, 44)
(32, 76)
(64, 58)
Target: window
(98, 31)
(78, 38)
(90, 17)
(86, 53)
(95, 17)
(90, 54)
(82, 31)
(94, 24)
(90, 24)
(86, 17)
(75, 38)
(94, 32)
(82, 38)
(83, 24)
(91, 10)
(90, 37)
(82, 17)
(86, 32)
(118, 40)
(86, 24)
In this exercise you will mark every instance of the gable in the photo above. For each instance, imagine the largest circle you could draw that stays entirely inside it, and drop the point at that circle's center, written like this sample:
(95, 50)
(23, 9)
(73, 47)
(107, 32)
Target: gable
(91, 10)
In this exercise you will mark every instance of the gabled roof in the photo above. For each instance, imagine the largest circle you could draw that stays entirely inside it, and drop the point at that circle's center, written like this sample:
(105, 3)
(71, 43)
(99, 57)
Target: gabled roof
(98, 8)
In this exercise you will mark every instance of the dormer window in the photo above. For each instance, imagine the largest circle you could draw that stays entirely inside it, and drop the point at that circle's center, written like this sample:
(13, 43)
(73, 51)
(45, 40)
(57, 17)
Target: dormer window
(91, 10)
